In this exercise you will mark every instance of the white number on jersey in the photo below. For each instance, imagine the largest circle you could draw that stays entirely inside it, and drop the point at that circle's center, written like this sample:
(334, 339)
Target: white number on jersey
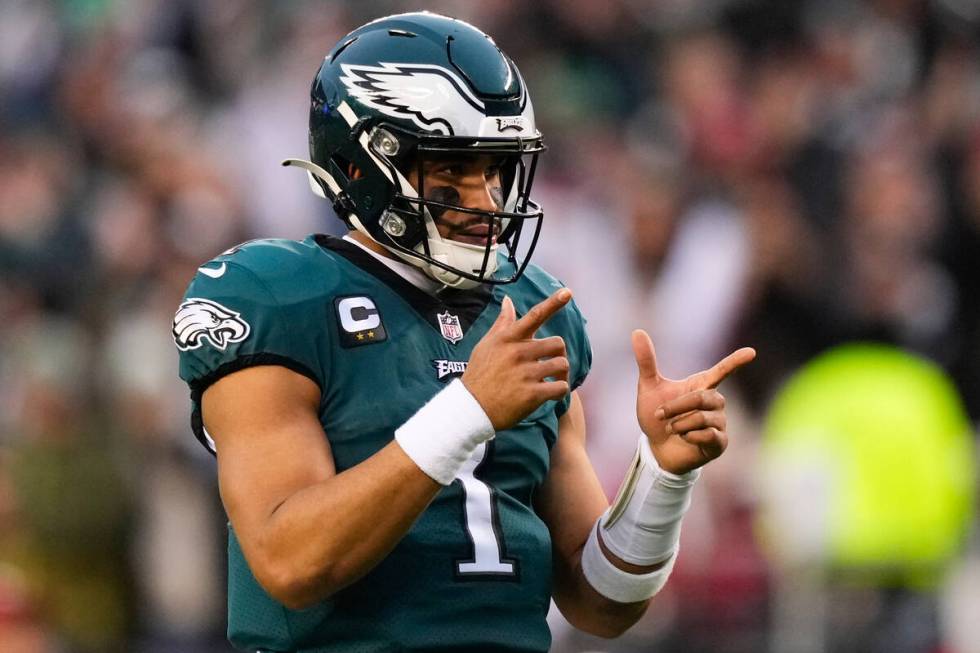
(482, 525)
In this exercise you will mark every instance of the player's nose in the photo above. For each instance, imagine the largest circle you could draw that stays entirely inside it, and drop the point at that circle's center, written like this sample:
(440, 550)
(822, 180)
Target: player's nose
(481, 196)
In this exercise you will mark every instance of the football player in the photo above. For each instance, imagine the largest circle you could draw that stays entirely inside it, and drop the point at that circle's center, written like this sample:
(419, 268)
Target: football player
(401, 451)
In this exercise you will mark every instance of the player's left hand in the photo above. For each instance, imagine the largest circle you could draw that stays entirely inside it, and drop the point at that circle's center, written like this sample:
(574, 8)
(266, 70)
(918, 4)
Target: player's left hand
(685, 419)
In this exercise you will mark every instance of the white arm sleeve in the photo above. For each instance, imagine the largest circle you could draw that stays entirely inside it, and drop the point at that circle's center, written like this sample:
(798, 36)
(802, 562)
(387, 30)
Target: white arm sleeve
(616, 584)
(642, 527)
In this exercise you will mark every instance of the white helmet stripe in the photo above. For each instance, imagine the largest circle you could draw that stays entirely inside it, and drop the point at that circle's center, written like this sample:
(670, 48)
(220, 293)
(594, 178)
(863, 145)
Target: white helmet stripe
(347, 113)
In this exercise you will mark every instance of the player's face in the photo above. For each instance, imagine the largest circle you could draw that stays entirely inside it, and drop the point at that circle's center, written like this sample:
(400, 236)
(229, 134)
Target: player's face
(473, 182)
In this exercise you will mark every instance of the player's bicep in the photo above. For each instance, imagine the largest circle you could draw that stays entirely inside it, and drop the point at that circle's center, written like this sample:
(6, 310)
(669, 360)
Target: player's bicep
(571, 498)
(269, 441)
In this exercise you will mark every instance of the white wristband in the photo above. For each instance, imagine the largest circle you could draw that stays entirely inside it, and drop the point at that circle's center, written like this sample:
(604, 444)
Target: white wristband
(443, 433)
(616, 584)
(643, 525)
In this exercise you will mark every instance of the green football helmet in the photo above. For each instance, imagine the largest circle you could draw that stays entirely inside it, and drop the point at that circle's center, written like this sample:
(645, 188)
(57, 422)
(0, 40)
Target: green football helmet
(411, 87)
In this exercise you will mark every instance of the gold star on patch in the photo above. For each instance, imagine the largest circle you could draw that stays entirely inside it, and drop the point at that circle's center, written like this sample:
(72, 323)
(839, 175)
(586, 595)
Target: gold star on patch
(360, 336)
(370, 334)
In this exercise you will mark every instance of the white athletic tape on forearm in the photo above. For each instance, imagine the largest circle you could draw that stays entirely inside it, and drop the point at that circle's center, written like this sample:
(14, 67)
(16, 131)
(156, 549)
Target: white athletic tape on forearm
(443, 433)
(616, 584)
(643, 525)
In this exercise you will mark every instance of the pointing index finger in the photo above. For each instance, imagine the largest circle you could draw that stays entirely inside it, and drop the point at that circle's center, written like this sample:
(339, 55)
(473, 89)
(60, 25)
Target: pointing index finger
(724, 368)
(540, 313)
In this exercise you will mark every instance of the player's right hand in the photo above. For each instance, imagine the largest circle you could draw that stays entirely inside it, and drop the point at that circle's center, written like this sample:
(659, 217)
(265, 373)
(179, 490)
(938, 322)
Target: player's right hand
(508, 368)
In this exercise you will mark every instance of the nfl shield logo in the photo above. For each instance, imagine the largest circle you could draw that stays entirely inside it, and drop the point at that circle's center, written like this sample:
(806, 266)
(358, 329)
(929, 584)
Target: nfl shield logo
(451, 329)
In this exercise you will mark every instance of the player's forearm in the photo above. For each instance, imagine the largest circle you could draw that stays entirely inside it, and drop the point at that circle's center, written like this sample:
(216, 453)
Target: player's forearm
(587, 609)
(328, 535)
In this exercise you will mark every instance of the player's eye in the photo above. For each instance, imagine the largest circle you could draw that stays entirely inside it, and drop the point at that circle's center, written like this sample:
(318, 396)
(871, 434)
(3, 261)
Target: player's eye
(449, 169)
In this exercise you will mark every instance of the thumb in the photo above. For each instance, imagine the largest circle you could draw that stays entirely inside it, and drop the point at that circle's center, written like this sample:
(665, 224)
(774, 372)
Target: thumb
(507, 315)
(646, 355)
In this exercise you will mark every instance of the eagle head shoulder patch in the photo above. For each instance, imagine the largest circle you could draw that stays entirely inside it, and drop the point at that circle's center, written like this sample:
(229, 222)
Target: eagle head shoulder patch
(198, 320)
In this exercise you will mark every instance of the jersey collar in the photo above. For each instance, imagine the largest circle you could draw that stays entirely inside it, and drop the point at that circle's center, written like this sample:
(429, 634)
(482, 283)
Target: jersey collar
(406, 271)
(467, 305)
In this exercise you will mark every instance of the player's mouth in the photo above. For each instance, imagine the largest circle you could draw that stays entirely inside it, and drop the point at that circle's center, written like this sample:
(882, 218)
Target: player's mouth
(477, 234)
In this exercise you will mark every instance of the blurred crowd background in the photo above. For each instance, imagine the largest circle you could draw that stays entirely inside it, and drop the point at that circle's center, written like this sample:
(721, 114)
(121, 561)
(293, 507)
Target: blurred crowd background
(795, 175)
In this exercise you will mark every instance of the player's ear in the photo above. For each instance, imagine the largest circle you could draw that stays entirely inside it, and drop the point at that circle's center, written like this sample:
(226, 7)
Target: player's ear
(353, 172)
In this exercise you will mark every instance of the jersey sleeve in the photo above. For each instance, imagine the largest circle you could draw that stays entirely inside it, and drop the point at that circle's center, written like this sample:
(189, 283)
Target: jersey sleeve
(229, 320)
(581, 346)
(579, 351)
(569, 323)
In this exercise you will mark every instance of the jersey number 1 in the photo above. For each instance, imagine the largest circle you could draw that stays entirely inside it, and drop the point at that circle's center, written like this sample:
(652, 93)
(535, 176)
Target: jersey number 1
(482, 524)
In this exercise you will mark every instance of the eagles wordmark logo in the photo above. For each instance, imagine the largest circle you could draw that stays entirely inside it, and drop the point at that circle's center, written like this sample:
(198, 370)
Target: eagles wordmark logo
(199, 319)
(445, 368)
(517, 123)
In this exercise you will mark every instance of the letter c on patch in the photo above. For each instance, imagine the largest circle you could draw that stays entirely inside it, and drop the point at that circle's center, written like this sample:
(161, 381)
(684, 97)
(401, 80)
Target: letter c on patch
(358, 314)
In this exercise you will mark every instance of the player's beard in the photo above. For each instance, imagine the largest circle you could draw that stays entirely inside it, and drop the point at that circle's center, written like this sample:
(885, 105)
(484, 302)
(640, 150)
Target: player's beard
(457, 231)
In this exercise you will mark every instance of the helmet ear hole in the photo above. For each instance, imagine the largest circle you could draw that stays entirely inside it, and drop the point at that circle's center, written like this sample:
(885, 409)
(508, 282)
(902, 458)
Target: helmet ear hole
(353, 172)
(343, 165)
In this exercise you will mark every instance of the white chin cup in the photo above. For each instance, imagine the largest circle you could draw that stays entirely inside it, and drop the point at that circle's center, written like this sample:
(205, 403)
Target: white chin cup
(461, 256)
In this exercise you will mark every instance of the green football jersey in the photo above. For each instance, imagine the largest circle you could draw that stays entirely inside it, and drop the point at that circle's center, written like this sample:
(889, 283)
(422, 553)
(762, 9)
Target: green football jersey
(474, 572)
